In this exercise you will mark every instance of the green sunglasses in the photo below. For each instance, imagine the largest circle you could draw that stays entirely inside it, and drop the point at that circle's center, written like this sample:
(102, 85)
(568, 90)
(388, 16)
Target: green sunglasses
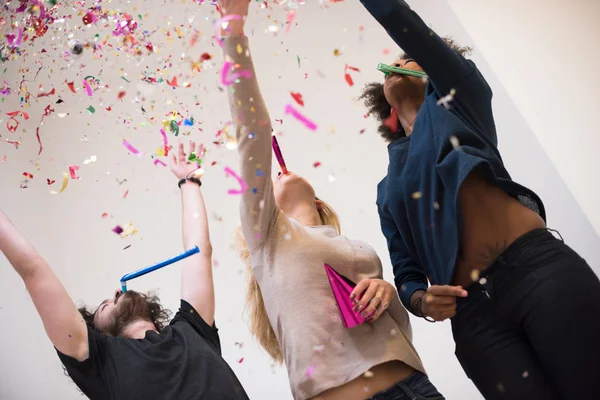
(388, 69)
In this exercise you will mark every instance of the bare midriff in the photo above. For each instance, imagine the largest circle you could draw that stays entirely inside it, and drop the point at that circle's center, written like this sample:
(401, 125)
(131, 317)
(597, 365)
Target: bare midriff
(381, 377)
(492, 220)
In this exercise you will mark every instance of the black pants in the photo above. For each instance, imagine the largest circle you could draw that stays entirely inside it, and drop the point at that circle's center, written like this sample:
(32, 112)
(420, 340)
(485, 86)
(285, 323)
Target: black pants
(530, 329)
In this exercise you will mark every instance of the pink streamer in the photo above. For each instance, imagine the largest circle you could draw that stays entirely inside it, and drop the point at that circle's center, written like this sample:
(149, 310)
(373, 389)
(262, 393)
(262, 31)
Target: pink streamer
(42, 8)
(88, 88)
(164, 135)
(132, 149)
(220, 23)
(243, 185)
(229, 78)
(290, 18)
(157, 161)
(289, 109)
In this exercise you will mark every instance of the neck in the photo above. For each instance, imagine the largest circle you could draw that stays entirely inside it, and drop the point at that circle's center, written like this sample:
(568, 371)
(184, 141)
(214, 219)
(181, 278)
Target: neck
(138, 329)
(407, 114)
(306, 214)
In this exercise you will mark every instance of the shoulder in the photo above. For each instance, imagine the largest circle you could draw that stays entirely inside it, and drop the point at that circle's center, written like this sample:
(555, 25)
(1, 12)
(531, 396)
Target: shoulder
(188, 317)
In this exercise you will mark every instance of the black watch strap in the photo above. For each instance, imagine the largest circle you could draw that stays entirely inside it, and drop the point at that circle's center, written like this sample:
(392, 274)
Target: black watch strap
(192, 179)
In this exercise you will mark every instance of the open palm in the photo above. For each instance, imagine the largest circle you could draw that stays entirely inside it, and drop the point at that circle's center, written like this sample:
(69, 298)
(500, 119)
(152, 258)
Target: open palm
(185, 165)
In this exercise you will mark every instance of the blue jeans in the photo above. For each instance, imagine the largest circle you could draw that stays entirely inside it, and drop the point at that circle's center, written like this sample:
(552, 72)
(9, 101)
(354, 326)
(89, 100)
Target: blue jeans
(415, 387)
(531, 329)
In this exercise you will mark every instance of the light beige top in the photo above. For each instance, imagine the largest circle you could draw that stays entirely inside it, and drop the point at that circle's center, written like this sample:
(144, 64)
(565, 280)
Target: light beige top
(288, 261)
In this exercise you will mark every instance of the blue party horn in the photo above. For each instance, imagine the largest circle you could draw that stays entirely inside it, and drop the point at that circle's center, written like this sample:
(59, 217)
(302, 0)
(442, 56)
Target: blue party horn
(147, 270)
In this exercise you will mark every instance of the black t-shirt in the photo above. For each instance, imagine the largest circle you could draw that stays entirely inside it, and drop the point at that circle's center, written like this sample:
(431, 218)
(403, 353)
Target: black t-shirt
(180, 363)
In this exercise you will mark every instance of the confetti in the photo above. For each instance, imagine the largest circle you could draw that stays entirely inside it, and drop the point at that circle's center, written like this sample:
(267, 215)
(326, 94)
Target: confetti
(121, 95)
(316, 164)
(475, 275)
(88, 88)
(73, 171)
(37, 135)
(241, 360)
(222, 23)
(27, 175)
(132, 149)
(310, 370)
(157, 161)
(50, 182)
(298, 98)
(229, 78)
(71, 86)
(243, 186)
(447, 99)
(417, 195)
(91, 109)
(368, 374)
(118, 230)
(65, 183)
(12, 124)
(454, 141)
(289, 109)
(290, 18)
(50, 93)
(347, 75)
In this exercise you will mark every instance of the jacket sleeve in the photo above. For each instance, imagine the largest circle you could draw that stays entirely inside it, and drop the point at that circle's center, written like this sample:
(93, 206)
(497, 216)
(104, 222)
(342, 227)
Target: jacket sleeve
(408, 275)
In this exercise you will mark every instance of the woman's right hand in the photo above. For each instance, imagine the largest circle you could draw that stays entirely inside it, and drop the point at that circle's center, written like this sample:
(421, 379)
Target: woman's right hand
(439, 302)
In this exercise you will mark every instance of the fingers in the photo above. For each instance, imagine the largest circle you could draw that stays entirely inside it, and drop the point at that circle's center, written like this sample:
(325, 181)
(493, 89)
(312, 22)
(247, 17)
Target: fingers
(385, 302)
(446, 290)
(181, 154)
(192, 148)
(173, 160)
(358, 289)
(366, 298)
(443, 315)
(439, 300)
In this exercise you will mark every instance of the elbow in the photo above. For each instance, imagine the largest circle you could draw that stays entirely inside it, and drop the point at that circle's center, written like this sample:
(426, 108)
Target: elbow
(206, 250)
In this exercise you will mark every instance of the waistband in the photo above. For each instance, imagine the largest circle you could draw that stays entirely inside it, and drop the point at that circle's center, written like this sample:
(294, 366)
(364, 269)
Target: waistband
(519, 246)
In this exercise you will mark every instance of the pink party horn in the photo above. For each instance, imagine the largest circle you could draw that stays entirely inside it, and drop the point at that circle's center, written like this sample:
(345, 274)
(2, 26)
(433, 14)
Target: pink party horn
(277, 152)
(341, 291)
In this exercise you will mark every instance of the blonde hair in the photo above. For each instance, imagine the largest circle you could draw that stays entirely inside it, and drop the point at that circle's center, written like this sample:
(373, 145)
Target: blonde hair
(260, 327)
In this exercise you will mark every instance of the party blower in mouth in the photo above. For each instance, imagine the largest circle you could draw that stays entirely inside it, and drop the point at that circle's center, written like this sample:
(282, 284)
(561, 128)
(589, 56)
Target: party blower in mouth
(277, 152)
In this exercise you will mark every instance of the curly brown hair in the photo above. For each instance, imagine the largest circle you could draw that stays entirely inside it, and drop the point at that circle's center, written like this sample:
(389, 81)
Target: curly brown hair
(377, 105)
(159, 315)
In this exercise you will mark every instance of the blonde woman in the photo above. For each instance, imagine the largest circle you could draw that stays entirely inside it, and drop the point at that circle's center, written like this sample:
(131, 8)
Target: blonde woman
(288, 236)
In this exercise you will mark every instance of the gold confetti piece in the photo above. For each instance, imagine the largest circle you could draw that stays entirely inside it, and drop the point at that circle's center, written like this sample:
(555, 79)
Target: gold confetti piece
(368, 374)
(454, 141)
(65, 183)
(475, 275)
(128, 230)
(336, 52)
(436, 206)
(417, 195)
(239, 48)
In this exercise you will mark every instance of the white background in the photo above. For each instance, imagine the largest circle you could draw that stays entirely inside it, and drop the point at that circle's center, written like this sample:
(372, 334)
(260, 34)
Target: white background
(89, 258)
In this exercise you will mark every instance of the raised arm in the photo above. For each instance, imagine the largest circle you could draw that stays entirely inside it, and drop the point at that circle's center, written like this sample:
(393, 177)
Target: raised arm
(63, 323)
(444, 66)
(258, 210)
(197, 286)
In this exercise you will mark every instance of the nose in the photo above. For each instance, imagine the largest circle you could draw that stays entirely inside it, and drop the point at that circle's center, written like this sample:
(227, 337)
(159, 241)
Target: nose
(118, 292)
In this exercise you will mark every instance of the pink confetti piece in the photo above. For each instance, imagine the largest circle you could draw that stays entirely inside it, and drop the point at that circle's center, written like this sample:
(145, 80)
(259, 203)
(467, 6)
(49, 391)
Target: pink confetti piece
(290, 18)
(220, 23)
(241, 182)
(229, 78)
(132, 149)
(157, 161)
(310, 370)
(15, 40)
(289, 109)
(73, 171)
(88, 88)
(118, 230)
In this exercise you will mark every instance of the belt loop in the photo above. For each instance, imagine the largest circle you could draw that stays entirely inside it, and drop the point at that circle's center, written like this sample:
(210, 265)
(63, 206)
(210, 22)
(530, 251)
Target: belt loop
(558, 233)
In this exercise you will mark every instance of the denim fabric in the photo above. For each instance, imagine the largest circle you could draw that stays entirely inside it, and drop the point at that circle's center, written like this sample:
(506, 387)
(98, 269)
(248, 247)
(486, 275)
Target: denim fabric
(530, 328)
(415, 387)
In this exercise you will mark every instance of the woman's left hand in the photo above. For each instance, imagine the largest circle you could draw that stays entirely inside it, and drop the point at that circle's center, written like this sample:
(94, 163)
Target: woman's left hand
(181, 166)
(371, 297)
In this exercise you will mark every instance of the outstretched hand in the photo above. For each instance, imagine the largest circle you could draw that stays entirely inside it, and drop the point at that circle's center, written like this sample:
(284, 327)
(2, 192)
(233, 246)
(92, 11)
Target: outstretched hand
(439, 302)
(184, 165)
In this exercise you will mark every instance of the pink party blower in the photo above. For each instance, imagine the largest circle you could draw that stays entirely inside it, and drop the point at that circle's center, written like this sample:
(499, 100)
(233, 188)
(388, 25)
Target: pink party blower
(341, 292)
(277, 152)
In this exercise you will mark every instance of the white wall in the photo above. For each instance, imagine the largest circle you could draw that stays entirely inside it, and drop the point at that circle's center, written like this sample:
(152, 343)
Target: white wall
(89, 259)
(546, 53)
